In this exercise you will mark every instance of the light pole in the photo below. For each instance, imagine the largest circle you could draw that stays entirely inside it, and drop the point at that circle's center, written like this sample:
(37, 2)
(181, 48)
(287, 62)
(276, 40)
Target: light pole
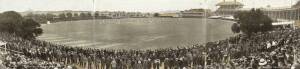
(94, 9)
(291, 10)
(205, 29)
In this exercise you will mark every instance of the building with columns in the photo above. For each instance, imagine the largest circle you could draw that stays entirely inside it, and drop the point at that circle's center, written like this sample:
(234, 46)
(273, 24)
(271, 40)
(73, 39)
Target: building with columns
(289, 13)
(282, 16)
(228, 7)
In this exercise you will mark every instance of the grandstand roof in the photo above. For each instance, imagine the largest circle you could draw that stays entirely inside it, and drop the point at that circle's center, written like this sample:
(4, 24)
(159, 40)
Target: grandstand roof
(230, 3)
(297, 5)
(277, 8)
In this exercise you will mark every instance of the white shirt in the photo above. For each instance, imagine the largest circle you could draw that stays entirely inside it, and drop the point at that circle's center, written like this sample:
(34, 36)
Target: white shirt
(114, 63)
(157, 61)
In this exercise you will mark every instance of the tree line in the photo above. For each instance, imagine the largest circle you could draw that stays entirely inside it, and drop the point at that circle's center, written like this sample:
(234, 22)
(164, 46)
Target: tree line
(13, 23)
(43, 18)
(253, 21)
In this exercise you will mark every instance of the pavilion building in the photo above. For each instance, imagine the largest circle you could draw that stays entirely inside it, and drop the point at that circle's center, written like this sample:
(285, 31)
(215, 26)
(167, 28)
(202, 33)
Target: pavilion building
(228, 8)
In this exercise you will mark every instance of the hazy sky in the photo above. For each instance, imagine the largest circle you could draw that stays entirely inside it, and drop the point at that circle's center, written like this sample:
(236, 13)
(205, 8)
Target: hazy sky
(127, 5)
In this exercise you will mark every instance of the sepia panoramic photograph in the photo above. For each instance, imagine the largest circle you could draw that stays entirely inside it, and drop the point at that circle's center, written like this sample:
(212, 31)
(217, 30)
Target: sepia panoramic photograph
(149, 34)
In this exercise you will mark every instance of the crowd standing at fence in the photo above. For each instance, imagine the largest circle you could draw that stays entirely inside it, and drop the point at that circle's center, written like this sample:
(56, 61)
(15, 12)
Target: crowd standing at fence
(274, 49)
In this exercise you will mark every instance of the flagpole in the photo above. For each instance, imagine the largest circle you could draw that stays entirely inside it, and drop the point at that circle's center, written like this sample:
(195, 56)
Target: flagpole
(290, 11)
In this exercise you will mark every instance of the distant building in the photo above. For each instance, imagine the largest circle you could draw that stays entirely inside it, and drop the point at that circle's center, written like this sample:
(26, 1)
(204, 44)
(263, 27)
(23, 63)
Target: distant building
(228, 7)
(191, 13)
(195, 13)
(169, 15)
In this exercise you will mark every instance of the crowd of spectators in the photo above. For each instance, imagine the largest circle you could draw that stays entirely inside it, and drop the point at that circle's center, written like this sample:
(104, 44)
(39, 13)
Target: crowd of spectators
(18, 61)
(274, 49)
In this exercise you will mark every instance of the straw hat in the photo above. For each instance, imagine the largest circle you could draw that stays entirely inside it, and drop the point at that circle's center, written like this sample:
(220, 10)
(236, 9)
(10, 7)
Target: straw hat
(262, 62)
(295, 66)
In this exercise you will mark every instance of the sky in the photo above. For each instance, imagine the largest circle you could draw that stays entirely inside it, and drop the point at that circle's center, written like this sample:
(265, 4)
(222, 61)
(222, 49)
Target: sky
(128, 5)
